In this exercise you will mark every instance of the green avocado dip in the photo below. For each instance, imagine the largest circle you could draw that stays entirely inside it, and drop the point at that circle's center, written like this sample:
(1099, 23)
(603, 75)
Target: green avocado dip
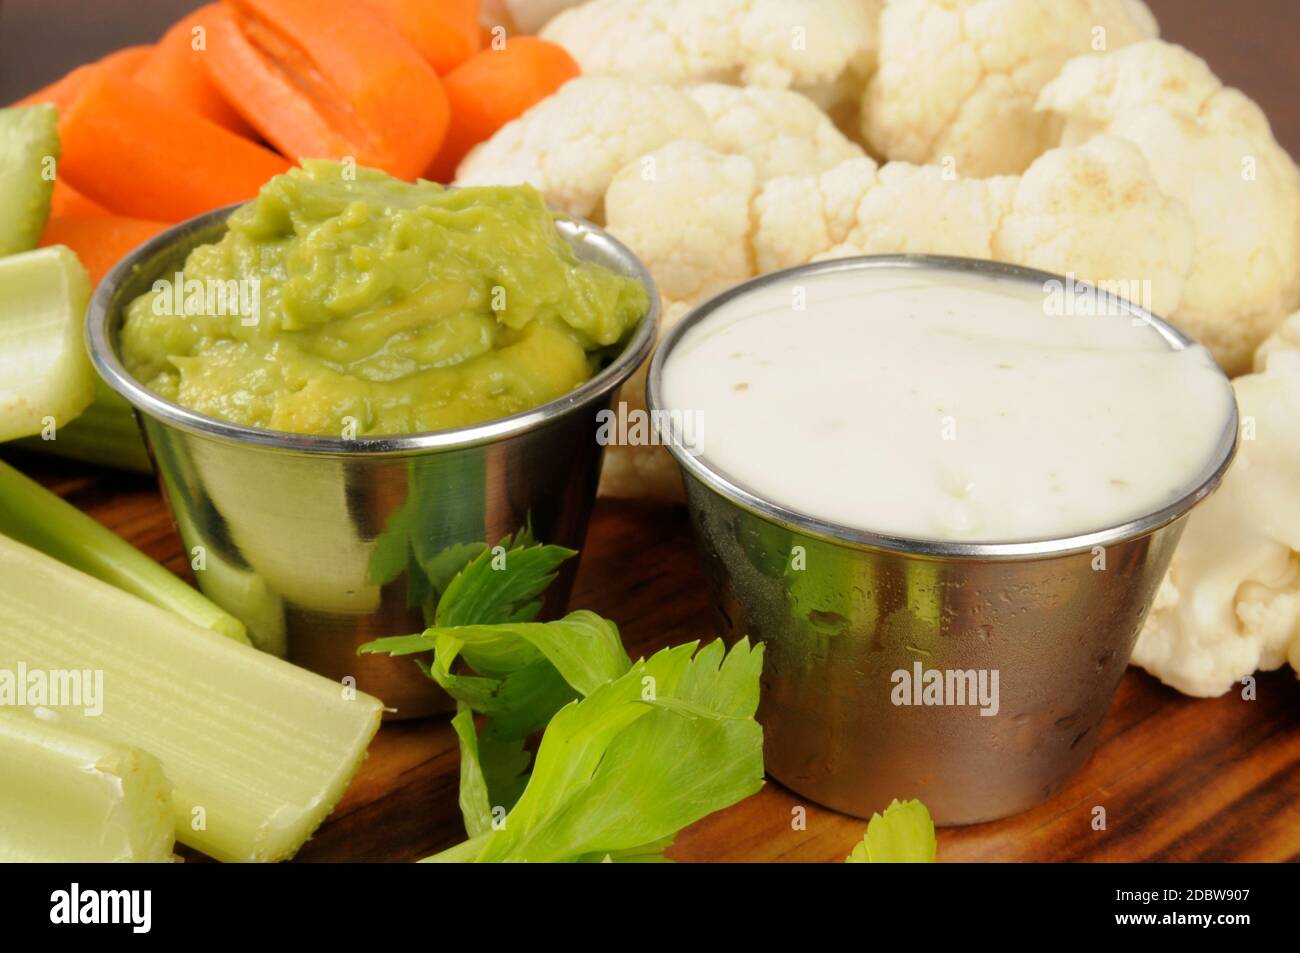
(347, 302)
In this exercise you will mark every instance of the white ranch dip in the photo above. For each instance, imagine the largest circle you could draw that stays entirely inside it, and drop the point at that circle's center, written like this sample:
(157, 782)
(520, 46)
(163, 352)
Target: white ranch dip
(928, 404)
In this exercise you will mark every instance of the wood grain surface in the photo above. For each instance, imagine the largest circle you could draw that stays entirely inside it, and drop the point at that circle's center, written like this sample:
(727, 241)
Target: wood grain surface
(1180, 778)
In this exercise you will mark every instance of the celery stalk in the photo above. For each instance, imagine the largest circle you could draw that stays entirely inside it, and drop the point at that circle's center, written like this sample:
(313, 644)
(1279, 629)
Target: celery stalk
(106, 434)
(33, 515)
(45, 373)
(29, 144)
(71, 797)
(258, 750)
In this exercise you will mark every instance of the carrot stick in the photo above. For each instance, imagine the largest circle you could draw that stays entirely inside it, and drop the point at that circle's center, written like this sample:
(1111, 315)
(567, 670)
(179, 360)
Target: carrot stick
(68, 201)
(149, 159)
(175, 71)
(445, 32)
(328, 87)
(492, 88)
(62, 92)
(266, 95)
(100, 241)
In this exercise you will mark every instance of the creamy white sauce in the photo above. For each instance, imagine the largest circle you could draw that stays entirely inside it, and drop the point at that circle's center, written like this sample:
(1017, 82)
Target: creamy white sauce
(931, 405)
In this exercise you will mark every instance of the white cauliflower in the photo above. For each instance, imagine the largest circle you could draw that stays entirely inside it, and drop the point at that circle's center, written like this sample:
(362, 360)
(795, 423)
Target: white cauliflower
(1230, 604)
(1282, 348)
(1211, 148)
(692, 224)
(781, 43)
(921, 210)
(684, 210)
(957, 80)
(782, 132)
(1095, 211)
(572, 144)
(798, 218)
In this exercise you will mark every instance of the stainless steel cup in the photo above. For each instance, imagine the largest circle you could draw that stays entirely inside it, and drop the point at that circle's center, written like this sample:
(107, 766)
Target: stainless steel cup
(320, 544)
(859, 607)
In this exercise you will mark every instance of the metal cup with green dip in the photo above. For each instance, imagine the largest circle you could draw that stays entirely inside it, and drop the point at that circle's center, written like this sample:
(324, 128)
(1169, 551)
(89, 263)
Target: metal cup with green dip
(351, 386)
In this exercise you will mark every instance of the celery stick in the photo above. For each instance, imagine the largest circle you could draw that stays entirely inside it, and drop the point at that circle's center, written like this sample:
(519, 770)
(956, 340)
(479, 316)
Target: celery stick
(70, 797)
(106, 434)
(258, 750)
(29, 145)
(45, 373)
(33, 515)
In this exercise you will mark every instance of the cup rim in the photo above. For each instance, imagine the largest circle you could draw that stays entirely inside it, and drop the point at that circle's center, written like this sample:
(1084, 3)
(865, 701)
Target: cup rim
(101, 343)
(723, 484)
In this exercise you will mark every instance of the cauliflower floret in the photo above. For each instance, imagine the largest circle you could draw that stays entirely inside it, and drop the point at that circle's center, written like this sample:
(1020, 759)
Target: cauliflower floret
(1230, 604)
(572, 144)
(1211, 148)
(797, 218)
(782, 43)
(782, 132)
(959, 78)
(1095, 211)
(1282, 349)
(684, 210)
(921, 210)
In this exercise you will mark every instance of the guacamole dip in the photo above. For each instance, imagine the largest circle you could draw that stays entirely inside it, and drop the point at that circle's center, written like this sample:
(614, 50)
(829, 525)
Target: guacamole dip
(346, 302)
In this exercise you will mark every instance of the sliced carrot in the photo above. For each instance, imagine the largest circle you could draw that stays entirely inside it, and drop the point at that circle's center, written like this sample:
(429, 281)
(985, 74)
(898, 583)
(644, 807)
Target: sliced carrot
(494, 87)
(62, 92)
(445, 32)
(329, 87)
(100, 241)
(125, 62)
(68, 201)
(175, 71)
(149, 159)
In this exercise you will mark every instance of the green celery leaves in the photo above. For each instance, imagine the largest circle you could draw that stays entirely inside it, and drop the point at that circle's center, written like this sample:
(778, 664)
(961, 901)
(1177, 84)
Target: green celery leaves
(631, 752)
(904, 834)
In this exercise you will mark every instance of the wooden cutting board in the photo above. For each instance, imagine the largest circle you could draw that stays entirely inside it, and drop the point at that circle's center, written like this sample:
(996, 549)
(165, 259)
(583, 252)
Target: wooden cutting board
(1179, 778)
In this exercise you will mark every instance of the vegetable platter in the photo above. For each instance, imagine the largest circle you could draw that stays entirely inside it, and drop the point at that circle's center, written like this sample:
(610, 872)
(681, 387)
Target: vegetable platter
(697, 147)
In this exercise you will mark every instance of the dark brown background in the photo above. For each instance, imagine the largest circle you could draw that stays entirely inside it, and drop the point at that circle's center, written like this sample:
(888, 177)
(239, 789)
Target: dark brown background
(1180, 778)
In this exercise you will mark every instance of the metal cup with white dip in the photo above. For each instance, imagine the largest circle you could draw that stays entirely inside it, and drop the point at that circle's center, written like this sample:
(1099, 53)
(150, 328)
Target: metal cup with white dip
(319, 544)
(944, 508)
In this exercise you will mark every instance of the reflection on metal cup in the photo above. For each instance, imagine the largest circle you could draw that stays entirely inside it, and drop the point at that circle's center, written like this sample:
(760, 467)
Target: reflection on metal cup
(1032, 637)
(319, 544)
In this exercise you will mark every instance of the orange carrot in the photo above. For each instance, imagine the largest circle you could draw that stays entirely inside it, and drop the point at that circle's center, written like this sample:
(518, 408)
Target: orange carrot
(445, 32)
(328, 87)
(100, 241)
(494, 87)
(149, 159)
(175, 71)
(68, 201)
(63, 92)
